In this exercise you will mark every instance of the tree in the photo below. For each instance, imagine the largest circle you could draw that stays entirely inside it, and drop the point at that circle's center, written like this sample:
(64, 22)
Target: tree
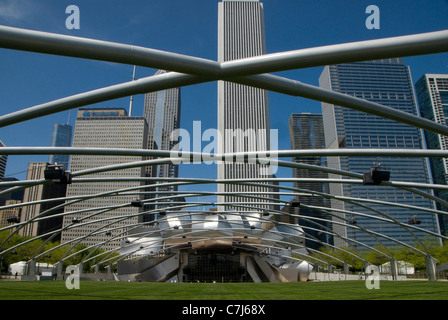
(28, 250)
(440, 253)
(339, 257)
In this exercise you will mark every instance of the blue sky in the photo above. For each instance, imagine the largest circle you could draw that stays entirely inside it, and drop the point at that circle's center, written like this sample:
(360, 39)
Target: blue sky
(187, 27)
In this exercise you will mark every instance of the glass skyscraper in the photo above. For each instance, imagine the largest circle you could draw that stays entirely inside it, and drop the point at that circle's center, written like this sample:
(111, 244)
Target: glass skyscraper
(387, 82)
(61, 137)
(162, 112)
(432, 94)
(306, 131)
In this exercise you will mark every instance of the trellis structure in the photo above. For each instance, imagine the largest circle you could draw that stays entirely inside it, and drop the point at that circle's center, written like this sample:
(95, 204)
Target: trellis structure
(250, 223)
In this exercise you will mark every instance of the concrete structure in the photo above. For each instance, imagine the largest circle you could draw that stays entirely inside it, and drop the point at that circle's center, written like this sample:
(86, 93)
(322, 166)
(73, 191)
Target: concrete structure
(3, 160)
(36, 171)
(243, 112)
(15, 195)
(8, 213)
(104, 128)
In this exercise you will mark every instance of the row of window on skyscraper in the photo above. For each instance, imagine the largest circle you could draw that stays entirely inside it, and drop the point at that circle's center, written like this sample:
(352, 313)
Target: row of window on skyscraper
(336, 128)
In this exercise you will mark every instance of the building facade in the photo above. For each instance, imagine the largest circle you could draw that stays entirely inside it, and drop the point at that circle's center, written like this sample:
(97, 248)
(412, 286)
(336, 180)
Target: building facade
(16, 195)
(36, 171)
(10, 212)
(104, 128)
(3, 160)
(61, 137)
(243, 112)
(432, 94)
(387, 82)
(162, 112)
(306, 132)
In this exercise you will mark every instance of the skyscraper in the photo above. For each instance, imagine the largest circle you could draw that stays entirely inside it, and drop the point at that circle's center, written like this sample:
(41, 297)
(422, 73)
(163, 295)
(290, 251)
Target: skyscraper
(3, 160)
(61, 137)
(9, 213)
(387, 82)
(243, 112)
(306, 131)
(36, 171)
(162, 112)
(104, 128)
(432, 94)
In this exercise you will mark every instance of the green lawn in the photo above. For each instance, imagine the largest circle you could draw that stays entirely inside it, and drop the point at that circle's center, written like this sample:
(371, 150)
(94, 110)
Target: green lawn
(343, 290)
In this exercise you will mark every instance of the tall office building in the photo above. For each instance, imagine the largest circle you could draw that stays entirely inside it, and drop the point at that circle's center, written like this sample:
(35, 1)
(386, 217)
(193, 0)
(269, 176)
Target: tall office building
(16, 195)
(61, 137)
(306, 132)
(387, 82)
(36, 171)
(162, 112)
(243, 112)
(104, 128)
(3, 160)
(7, 214)
(432, 94)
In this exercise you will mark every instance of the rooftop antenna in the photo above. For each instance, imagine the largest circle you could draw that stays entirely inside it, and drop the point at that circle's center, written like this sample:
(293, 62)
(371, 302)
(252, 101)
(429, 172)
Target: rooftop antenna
(132, 97)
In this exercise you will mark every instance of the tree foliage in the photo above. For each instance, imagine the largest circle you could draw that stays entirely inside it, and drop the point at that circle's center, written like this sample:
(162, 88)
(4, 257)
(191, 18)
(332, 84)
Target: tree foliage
(357, 259)
(27, 250)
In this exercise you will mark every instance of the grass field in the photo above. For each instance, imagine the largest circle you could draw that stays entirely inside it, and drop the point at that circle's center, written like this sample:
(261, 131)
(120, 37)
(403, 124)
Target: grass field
(340, 290)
